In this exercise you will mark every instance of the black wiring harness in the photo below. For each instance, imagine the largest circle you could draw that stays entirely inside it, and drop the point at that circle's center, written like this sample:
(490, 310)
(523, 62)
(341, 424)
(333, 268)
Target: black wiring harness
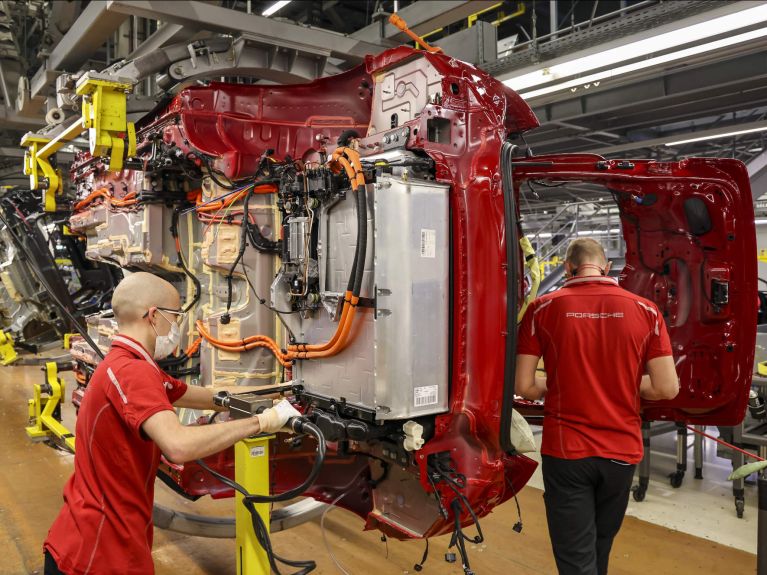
(440, 469)
(182, 262)
(249, 500)
(248, 231)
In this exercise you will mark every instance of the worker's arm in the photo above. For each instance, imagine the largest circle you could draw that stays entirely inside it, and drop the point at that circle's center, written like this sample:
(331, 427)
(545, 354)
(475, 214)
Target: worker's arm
(182, 443)
(661, 381)
(526, 382)
(197, 397)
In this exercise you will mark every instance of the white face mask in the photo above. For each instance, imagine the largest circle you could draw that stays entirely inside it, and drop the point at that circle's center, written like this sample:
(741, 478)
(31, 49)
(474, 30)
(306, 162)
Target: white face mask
(165, 344)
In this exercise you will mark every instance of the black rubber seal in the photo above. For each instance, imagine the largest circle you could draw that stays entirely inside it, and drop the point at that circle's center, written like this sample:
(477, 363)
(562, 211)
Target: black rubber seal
(512, 279)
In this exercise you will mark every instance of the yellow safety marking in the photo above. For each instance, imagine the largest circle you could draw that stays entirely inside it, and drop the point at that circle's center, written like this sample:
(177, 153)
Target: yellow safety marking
(473, 17)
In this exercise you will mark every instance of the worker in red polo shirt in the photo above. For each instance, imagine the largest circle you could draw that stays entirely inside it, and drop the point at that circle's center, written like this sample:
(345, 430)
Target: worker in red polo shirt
(126, 420)
(597, 340)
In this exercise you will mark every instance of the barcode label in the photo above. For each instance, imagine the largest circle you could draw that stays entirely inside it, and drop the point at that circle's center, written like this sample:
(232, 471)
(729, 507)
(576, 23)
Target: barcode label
(427, 395)
(257, 451)
(428, 243)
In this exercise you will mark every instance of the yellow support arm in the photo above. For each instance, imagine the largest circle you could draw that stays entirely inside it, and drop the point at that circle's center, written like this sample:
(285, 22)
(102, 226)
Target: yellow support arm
(42, 422)
(251, 470)
(104, 115)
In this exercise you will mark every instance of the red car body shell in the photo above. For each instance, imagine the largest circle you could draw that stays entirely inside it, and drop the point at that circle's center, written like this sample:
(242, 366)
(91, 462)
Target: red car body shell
(713, 344)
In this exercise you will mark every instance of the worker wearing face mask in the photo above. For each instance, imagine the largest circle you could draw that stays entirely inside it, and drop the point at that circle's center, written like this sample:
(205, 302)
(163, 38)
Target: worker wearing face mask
(126, 421)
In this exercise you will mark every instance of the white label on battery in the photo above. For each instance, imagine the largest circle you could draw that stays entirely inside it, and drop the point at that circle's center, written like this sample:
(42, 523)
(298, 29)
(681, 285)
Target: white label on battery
(427, 395)
(257, 451)
(428, 243)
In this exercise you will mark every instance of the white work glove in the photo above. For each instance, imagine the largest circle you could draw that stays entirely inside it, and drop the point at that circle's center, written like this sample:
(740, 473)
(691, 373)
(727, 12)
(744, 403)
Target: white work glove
(273, 419)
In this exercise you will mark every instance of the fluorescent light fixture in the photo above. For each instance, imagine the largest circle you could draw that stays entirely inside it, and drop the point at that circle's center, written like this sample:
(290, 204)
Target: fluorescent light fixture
(274, 7)
(640, 48)
(673, 56)
(760, 222)
(717, 136)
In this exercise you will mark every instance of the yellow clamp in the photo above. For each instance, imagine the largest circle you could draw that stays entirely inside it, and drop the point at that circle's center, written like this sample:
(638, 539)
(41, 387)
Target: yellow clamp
(761, 368)
(7, 352)
(37, 165)
(104, 112)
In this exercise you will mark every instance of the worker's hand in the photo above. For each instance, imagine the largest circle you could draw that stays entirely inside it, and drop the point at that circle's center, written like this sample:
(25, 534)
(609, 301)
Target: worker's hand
(274, 419)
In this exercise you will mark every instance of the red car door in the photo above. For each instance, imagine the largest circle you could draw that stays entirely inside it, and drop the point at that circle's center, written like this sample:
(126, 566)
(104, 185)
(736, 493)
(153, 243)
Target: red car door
(690, 248)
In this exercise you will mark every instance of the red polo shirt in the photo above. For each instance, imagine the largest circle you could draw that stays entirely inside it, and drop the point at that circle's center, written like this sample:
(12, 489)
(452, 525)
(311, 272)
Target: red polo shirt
(105, 525)
(595, 339)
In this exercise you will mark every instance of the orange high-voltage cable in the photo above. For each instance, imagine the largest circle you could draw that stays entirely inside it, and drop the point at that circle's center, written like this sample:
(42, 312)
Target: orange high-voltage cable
(337, 342)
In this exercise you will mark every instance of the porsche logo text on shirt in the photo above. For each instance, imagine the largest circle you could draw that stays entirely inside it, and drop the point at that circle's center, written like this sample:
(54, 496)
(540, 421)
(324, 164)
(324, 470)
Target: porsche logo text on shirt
(590, 315)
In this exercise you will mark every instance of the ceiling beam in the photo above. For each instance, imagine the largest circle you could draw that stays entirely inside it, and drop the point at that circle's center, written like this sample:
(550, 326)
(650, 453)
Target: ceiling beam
(203, 16)
(12, 120)
(86, 36)
(669, 95)
(167, 34)
(89, 32)
(657, 142)
(423, 17)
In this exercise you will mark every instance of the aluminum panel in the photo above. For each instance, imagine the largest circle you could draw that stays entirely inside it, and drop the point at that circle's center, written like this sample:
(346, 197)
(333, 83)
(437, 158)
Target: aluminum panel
(412, 291)
(349, 374)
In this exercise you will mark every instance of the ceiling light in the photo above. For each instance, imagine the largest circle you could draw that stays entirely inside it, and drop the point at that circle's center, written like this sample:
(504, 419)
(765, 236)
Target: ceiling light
(641, 48)
(760, 222)
(274, 7)
(650, 62)
(717, 136)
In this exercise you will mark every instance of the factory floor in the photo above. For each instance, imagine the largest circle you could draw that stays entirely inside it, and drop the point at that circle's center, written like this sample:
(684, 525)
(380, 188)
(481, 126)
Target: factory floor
(32, 477)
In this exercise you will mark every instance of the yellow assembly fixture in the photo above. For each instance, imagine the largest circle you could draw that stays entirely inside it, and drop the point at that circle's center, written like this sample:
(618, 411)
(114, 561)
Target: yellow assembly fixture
(68, 340)
(534, 269)
(7, 352)
(44, 408)
(251, 470)
(104, 116)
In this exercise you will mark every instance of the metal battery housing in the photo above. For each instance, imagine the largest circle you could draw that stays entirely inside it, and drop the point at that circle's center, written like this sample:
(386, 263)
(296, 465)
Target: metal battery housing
(396, 365)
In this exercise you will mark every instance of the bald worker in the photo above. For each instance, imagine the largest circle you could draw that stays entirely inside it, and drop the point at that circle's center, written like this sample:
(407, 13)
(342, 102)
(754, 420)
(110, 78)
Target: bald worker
(596, 340)
(126, 421)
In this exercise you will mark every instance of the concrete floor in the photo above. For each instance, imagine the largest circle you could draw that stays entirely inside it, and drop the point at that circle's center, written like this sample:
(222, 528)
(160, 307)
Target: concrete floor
(703, 508)
(32, 477)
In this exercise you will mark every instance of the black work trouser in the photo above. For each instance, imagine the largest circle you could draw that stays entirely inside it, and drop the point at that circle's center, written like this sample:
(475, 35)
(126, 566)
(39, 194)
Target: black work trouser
(586, 500)
(50, 567)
